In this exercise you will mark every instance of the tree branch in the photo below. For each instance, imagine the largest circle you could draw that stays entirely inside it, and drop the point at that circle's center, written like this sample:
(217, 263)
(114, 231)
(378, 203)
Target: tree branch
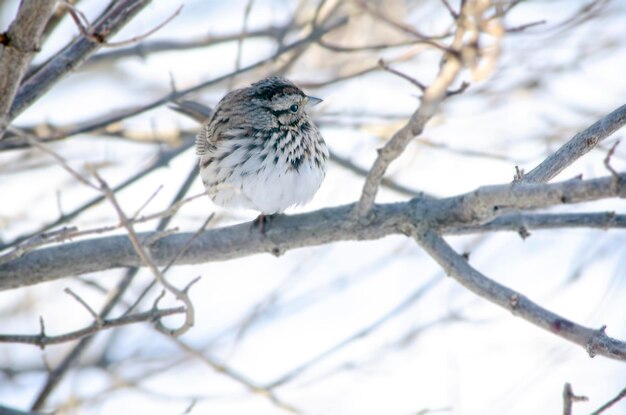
(434, 94)
(595, 341)
(156, 46)
(109, 118)
(577, 147)
(75, 54)
(19, 45)
(309, 229)
(42, 340)
(610, 403)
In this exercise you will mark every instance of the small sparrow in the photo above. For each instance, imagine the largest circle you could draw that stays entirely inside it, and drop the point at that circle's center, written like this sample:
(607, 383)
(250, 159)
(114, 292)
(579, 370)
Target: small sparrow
(260, 149)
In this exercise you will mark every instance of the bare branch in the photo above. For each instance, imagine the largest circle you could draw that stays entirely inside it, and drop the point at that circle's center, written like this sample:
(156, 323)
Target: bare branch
(433, 95)
(89, 32)
(103, 121)
(42, 236)
(43, 340)
(56, 375)
(314, 228)
(610, 403)
(402, 75)
(82, 302)
(427, 39)
(594, 341)
(236, 376)
(541, 221)
(569, 398)
(17, 48)
(577, 147)
(147, 260)
(74, 54)
(156, 46)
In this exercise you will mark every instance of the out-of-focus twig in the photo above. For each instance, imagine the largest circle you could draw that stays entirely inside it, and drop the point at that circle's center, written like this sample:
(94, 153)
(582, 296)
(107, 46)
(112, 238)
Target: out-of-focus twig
(610, 403)
(104, 324)
(569, 398)
(89, 32)
(103, 121)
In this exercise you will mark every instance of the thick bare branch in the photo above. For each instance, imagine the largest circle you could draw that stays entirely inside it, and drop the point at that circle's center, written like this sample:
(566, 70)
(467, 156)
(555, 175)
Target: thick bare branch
(19, 44)
(595, 341)
(309, 229)
(518, 222)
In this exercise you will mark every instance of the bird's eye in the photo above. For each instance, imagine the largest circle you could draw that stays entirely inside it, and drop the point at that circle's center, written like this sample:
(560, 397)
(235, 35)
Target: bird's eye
(294, 108)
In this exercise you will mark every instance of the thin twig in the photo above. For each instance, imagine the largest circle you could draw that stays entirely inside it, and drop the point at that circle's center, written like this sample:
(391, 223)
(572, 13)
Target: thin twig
(35, 143)
(402, 75)
(521, 28)
(43, 340)
(610, 403)
(89, 32)
(569, 398)
(147, 260)
(453, 13)
(162, 160)
(82, 302)
(56, 375)
(243, 35)
(429, 40)
(607, 164)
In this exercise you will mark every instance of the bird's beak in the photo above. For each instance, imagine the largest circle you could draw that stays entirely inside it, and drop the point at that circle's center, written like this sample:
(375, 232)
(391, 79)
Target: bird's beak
(312, 101)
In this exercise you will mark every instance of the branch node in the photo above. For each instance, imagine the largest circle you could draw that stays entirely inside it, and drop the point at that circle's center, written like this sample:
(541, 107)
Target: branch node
(523, 232)
(42, 333)
(595, 338)
(96, 316)
(402, 75)
(191, 283)
(519, 175)
(569, 398)
(615, 183)
(155, 305)
(459, 90)
(5, 40)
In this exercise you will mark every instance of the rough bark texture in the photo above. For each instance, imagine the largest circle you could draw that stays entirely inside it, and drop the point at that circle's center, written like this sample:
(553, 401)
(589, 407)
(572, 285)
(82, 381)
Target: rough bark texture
(18, 46)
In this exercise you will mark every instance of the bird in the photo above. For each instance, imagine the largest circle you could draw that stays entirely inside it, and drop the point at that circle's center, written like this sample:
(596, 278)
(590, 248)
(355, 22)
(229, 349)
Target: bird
(261, 150)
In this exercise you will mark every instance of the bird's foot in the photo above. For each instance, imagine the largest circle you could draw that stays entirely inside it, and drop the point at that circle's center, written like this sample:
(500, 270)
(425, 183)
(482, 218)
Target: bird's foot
(262, 222)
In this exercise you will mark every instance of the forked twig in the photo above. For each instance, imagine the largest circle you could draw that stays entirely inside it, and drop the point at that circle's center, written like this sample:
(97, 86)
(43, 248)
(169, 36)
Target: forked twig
(87, 30)
(147, 260)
